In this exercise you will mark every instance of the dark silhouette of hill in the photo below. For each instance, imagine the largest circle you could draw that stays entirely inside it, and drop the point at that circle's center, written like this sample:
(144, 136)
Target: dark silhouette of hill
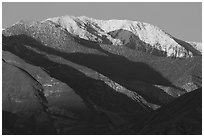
(182, 116)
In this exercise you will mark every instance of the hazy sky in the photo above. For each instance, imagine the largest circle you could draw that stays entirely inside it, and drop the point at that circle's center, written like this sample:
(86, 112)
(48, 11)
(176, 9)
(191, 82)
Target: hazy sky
(182, 20)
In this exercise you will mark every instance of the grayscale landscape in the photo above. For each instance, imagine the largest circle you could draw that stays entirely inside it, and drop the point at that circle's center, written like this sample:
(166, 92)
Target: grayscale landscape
(76, 75)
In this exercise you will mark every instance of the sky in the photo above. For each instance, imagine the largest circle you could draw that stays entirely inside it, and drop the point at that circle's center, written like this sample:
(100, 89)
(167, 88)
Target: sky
(182, 20)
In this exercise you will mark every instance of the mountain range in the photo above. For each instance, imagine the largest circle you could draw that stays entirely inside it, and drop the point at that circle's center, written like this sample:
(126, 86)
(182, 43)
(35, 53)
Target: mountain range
(78, 75)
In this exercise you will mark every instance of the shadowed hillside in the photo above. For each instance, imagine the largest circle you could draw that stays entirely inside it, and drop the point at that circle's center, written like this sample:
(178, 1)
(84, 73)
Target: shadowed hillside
(122, 70)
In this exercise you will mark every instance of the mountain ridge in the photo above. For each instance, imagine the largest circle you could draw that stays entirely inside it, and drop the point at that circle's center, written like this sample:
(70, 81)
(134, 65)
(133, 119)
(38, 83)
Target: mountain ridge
(98, 31)
(90, 29)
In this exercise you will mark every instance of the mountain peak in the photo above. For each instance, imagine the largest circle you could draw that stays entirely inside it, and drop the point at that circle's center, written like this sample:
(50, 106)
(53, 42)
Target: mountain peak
(134, 34)
(97, 30)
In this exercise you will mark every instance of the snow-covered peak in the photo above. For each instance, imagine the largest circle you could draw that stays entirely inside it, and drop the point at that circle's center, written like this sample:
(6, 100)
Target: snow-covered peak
(97, 30)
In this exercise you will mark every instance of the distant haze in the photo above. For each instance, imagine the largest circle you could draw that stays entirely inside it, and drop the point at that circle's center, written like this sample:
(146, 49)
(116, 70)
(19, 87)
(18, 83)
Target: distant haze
(182, 20)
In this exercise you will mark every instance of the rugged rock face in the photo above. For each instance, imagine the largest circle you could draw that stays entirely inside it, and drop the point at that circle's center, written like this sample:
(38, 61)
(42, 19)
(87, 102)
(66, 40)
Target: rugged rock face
(86, 76)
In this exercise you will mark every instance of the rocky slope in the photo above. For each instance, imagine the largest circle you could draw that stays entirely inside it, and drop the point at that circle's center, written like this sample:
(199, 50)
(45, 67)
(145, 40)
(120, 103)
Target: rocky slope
(93, 78)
